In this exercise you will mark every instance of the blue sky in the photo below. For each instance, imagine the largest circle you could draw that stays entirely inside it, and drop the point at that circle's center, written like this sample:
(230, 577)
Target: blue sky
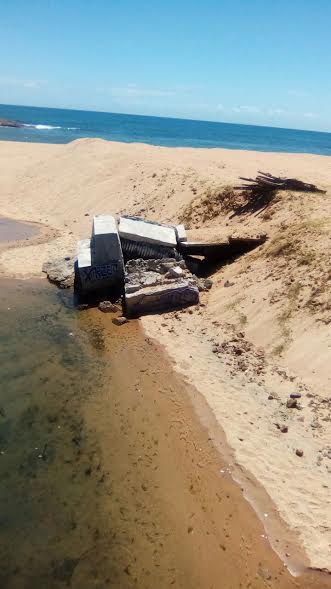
(264, 62)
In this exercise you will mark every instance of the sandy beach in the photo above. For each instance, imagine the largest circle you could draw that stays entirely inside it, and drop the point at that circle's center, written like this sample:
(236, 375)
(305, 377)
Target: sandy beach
(260, 334)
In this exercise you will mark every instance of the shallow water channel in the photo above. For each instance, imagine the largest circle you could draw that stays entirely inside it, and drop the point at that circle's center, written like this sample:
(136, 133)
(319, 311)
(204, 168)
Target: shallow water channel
(11, 230)
(107, 478)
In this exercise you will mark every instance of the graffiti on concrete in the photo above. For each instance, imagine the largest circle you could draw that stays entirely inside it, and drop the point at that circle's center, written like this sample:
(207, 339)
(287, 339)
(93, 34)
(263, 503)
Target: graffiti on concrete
(93, 273)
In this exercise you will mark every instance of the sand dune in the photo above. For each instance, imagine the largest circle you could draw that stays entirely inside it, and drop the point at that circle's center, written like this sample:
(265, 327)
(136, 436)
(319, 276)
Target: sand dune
(251, 344)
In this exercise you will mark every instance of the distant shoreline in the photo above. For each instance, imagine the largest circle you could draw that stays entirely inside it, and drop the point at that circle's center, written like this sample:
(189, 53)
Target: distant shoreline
(60, 126)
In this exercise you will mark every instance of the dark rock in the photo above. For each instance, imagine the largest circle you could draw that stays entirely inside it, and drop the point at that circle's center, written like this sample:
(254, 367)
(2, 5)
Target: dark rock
(295, 395)
(8, 123)
(292, 404)
(204, 284)
(284, 429)
(227, 283)
(299, 452)
(119, 320)
(208, 283)
(108, 307)
(60, 271)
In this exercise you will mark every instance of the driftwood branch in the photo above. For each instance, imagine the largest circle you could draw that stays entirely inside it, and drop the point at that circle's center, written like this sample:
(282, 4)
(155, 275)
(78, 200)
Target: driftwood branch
(265, 182)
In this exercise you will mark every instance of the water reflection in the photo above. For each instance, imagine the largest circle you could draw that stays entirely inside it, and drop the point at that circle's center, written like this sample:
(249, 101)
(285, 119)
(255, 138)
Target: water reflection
(51, 469)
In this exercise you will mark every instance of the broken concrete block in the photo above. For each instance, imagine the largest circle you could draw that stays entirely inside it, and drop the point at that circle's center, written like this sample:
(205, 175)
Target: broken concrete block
(84, 254)
(181, 233)
(139, 230)
(175, 272)
(106, 241)
(162, 297)
(91, 277)
(222, 250)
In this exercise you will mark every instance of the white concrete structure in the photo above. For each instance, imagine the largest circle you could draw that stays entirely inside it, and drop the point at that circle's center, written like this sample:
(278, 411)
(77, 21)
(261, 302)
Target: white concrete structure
(181, 233)
(84, 257)
(106, 241)
(143, 231)
(161, 298)
(100, 265)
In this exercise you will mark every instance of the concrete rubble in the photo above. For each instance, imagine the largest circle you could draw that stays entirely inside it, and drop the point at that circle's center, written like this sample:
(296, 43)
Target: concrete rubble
(151, 266)
(155, 277)
(60, 271)
(158, 285)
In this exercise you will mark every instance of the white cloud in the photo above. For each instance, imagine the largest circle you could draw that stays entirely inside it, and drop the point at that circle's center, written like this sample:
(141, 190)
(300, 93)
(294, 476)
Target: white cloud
(310, 115)
(276, 111)
(133, 91)
(32, 84)
(246, 109)
(297, 93)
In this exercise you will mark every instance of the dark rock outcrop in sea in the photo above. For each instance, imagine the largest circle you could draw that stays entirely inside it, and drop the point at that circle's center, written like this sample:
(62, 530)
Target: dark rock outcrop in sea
(6, 123)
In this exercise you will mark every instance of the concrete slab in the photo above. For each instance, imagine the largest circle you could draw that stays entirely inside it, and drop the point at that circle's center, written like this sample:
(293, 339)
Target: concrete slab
(91, 277)
(222, 250)
(84, 255)
(181, 233)
(106, 241)
(147, 232)
(161, 298)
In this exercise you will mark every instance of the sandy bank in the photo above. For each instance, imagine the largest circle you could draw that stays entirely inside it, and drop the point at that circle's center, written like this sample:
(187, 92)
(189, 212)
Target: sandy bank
(278, 304)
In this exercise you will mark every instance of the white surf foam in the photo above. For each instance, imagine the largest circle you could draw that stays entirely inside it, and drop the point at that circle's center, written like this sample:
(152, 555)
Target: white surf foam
(43, 127)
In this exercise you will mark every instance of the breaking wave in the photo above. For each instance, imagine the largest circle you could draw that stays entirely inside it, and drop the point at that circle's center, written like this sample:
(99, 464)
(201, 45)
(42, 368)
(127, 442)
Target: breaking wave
(49, 127)
(42, 127)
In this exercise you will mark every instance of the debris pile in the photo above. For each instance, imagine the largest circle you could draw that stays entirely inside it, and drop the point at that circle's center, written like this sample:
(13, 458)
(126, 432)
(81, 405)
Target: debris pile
(138, 260)
(158, 285)
(265, 182)
(151, 266)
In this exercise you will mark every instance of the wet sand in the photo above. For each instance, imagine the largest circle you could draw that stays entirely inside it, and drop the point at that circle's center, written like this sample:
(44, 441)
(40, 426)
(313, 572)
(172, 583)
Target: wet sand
(11, 230)
(17, 234)
(110, 478)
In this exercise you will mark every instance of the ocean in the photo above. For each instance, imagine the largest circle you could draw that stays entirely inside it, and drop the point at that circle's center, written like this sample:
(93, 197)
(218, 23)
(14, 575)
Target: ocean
(52, 125)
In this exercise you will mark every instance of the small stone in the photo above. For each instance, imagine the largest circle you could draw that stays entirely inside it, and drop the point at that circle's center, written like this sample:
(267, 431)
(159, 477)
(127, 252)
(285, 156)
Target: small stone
(175, 272)
(270, 397)
(295, 395)
(227, 283)
(284, 429)
(107, 307)
(119, 320)
(82, 306)
(208, 283)
(299, 452)
(292, 404)
(204, 284)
